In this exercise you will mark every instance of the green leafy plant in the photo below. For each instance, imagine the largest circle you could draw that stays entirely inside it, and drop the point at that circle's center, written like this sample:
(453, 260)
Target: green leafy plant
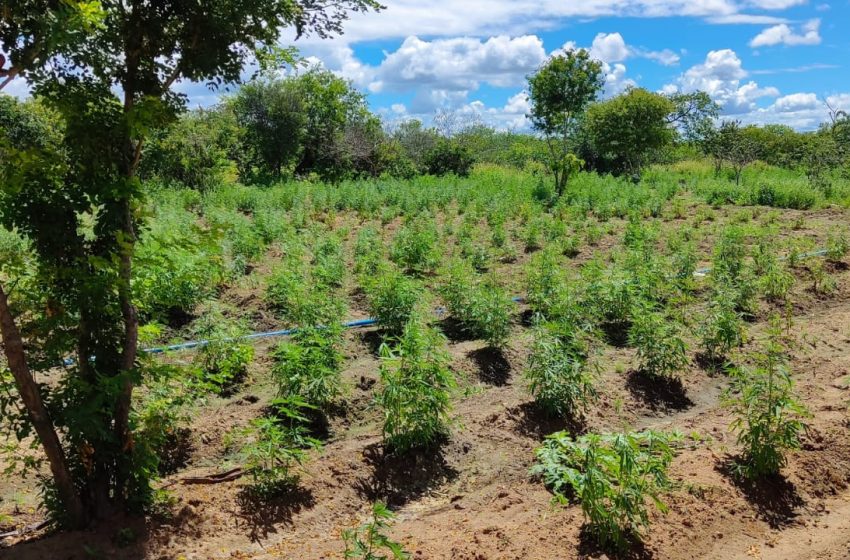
(481, 306)
(822, 283)
(370, 542)
(722, 329)
(768, 417)
(368, 251)
(223, 361)
(613, 476)
(837, 246)
(309, 365)
(393, 298)
(416, 384)
(558, 374)
(776, 282)
(414, 247)
(660, 348)
(275, 446)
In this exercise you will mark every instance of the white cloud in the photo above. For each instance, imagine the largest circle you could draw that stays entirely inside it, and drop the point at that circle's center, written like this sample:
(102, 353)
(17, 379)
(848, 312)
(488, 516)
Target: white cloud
(783, 35)
(459, 64)
(738, 19)
(611, 47)
(802, 111)
(796, 102)
(720, 76)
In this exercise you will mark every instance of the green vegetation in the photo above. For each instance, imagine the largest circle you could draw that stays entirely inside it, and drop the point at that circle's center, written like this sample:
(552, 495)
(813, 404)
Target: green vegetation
(415, 388)
(613, 476)
(369, 541)
(768, 416)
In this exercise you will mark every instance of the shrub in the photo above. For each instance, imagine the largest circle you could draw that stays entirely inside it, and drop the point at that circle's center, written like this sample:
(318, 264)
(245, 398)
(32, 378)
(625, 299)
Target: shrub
(722, 329)
(309, 365)
(545, 280)
(368, 541)
(275, 446)
(660, 348)
(329, 262)
(416, 382)
(768, 416)
(368, 251)
(299, 299)
(612, 475)
(223, 361)
(482, 307)
(392, 299)
(837, 247)
(449, 156)
(415, 246)
(776, 282)
(557, 374)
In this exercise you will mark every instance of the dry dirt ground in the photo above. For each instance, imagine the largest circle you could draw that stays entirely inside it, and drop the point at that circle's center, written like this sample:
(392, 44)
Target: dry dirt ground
(474, 499)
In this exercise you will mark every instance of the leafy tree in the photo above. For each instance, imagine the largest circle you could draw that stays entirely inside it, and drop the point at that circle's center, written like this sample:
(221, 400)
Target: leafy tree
(559, 93)
(106, 69)
(271, 115)
(693, 115)
(627, 129)
(735, 147)
(449, 156)
(416, 141)
(195, 150)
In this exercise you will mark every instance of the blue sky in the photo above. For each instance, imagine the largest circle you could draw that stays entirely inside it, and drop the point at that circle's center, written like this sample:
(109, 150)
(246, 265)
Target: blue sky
(763, 60)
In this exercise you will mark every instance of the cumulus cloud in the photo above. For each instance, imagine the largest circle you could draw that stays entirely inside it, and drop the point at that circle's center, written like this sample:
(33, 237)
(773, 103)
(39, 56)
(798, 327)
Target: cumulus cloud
(459, 64)
(783, 35)
(803, 111)
(449, 18)
(720, 76)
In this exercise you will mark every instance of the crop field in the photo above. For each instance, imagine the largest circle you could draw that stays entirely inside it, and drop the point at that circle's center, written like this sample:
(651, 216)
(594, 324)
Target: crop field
(543, 377)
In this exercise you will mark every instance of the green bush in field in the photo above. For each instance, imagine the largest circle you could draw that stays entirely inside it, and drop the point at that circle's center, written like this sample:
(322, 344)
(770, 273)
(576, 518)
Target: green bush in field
(223, 361)
(275, 446)
(329, 262)
(293, 293)
(722, 329)
(415, 388)
(309, 365)
(768, 416)
(544, 282)
(837, 246)
(415, 247)
(449, 156)
(613, 476)
(481, 306)
(660, 349)
(558, 375)
(393, 298)
(368, 250)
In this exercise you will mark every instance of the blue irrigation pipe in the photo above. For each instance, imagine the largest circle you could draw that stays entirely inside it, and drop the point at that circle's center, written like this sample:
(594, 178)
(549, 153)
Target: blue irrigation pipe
(359, 323)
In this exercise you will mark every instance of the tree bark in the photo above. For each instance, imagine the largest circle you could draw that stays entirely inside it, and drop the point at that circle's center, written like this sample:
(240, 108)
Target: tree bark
(13, 346)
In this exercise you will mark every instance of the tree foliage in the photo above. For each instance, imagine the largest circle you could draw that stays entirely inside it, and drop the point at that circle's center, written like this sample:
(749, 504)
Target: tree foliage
(106, 70)
(559, 93)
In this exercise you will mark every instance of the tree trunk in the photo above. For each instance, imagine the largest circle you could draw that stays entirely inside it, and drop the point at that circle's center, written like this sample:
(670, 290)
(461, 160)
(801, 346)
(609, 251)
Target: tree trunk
(13, 346)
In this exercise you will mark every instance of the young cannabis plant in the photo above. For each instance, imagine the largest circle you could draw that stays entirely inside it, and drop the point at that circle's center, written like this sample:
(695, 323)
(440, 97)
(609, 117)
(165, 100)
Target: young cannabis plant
(393, 298)
(558, 374)
(481, 306)
(768, 417)
(660, 348)
(308, 366)
(275, 446)
(416, 384)
(370, 542)
(722, 329)
(612, 475)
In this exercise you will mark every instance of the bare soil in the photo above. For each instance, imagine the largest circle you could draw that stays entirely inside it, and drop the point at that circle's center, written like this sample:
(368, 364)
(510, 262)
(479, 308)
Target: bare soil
(473, 498)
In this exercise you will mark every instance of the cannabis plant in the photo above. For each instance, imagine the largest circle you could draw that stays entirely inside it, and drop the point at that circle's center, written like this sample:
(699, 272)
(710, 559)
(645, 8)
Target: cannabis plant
(613, 476)
(309, 365)
(370, 542)
(660, 348)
